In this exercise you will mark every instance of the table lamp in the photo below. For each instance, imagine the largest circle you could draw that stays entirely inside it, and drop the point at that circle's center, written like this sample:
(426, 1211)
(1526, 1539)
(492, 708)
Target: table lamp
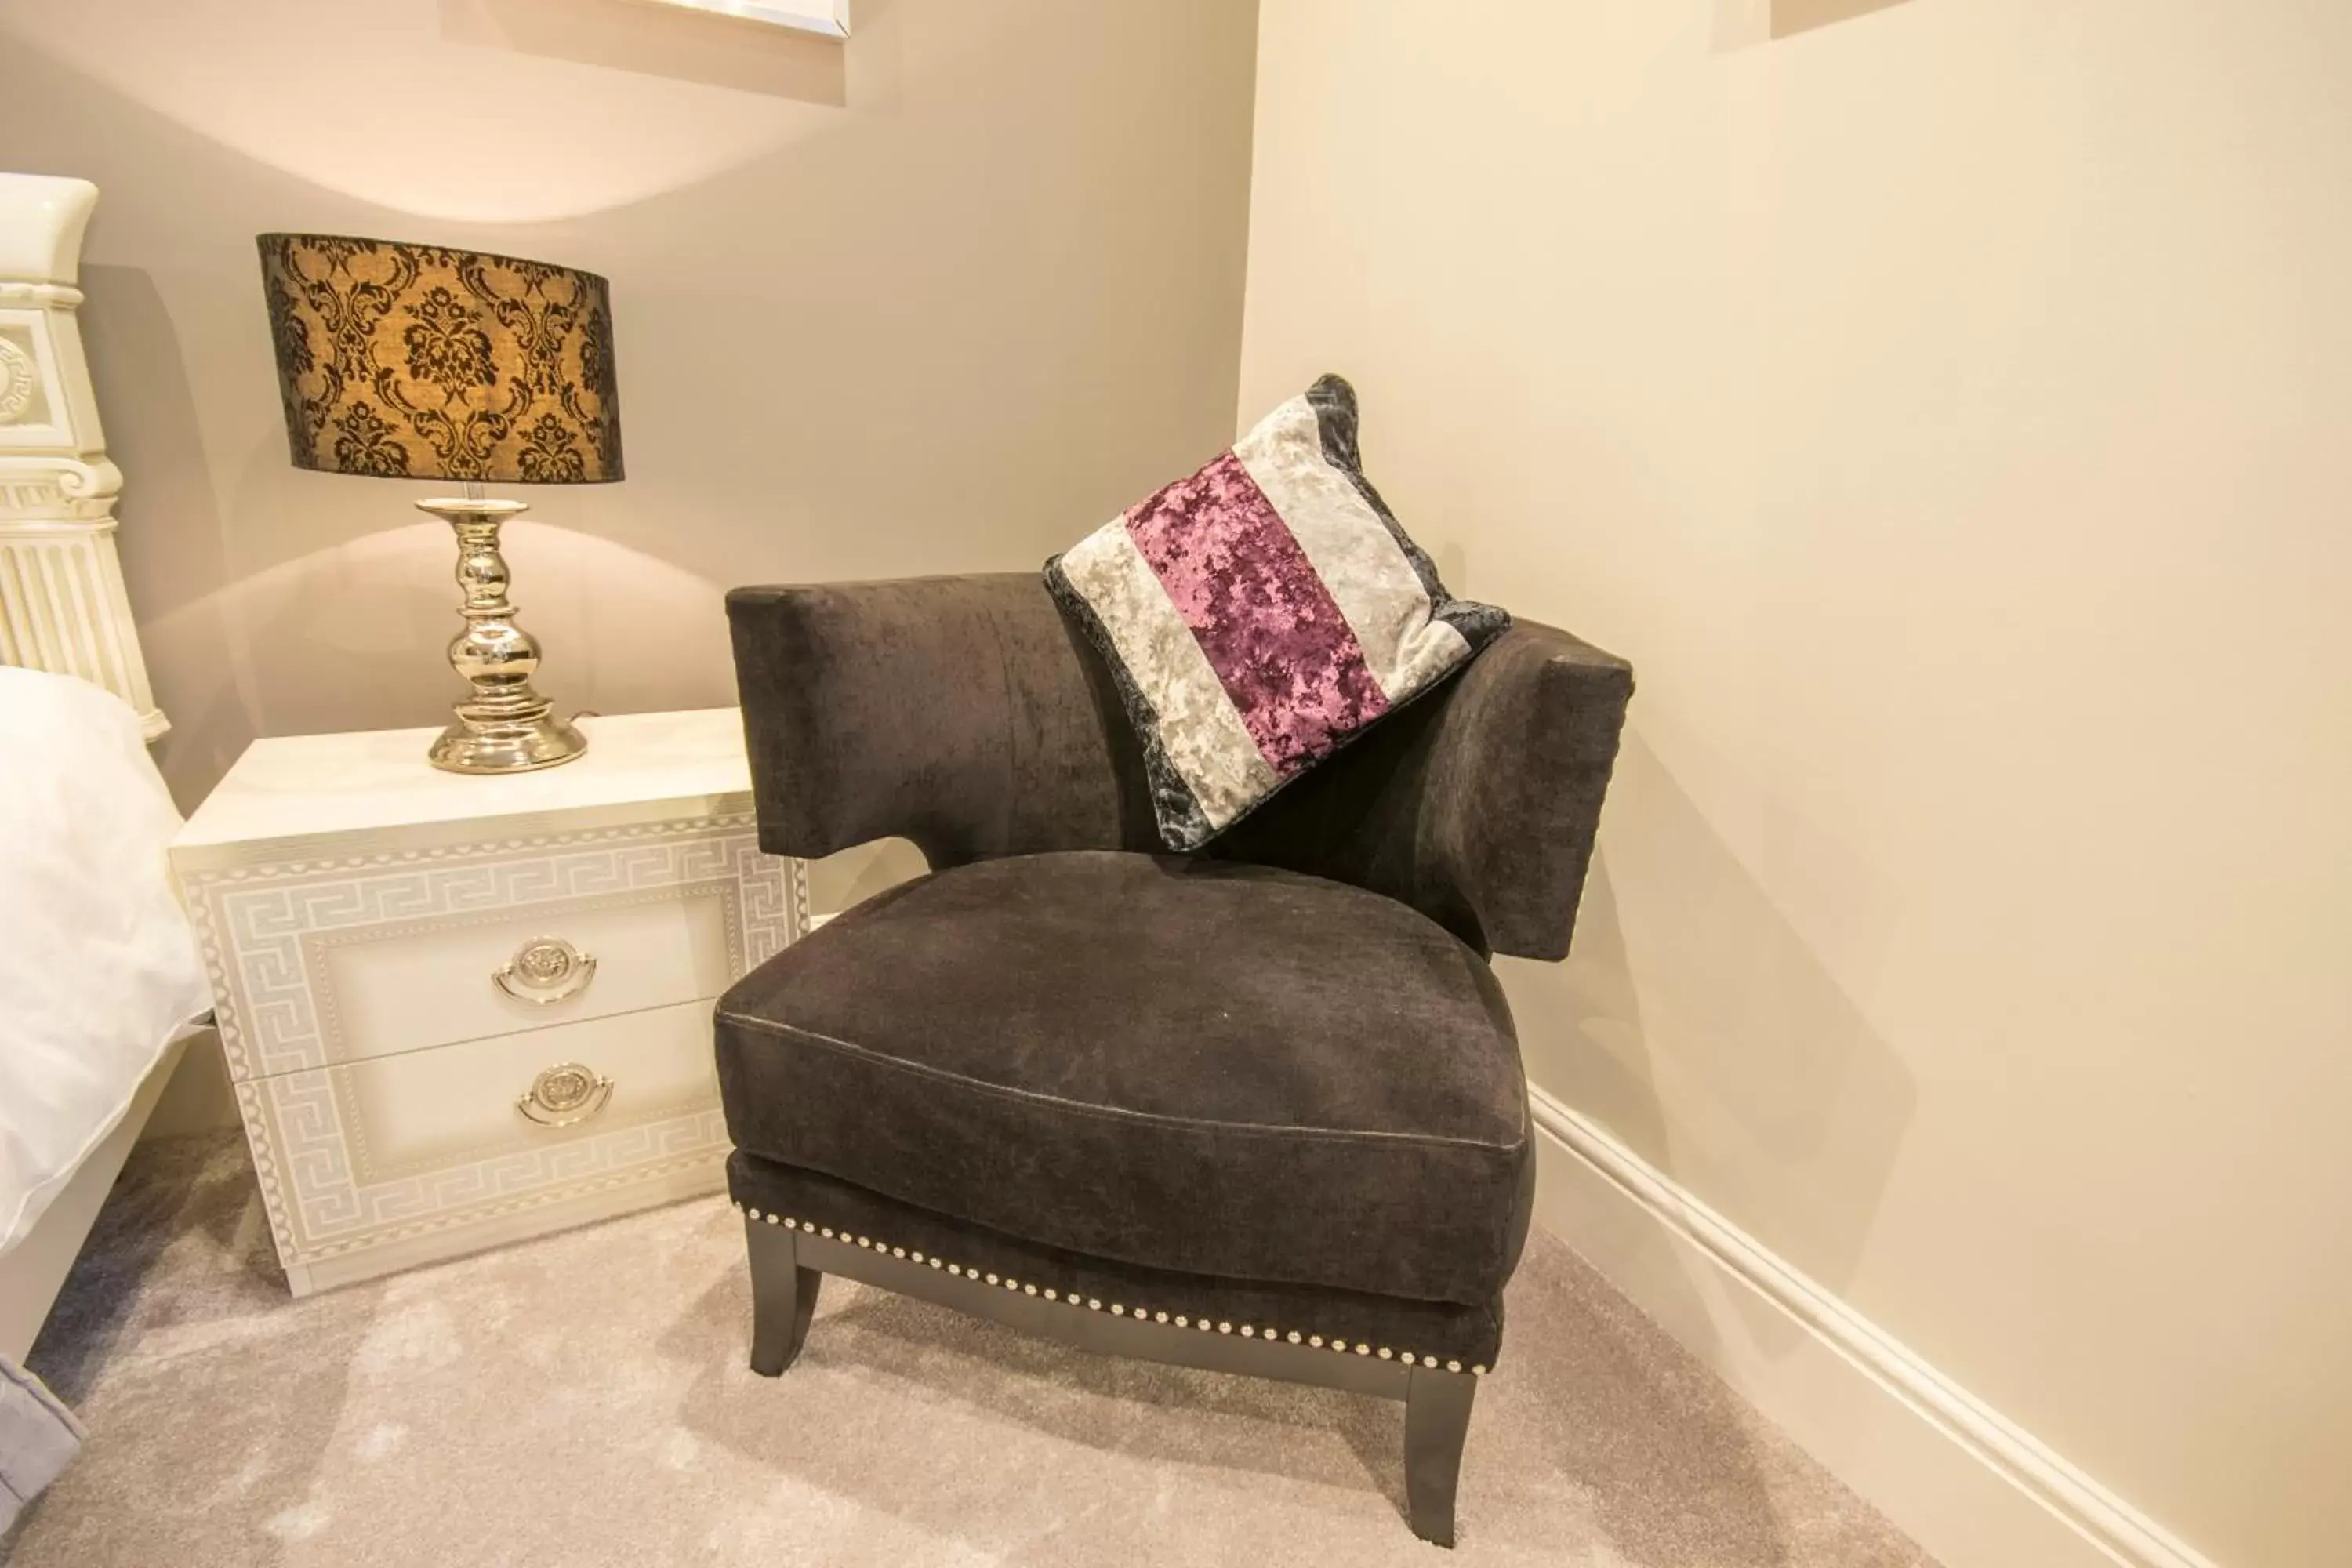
(418, 361)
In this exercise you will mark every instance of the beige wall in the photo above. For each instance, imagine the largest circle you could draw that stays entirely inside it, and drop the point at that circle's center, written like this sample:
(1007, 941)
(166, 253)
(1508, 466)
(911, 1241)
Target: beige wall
(1946, 410)
(940, 300)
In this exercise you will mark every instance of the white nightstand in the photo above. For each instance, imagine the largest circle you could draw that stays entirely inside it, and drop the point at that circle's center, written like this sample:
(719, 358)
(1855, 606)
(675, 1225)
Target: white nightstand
(460, 1010)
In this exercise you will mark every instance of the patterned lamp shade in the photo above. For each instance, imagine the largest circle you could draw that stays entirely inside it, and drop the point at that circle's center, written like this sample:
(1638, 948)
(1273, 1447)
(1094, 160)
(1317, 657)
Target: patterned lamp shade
(423, 362)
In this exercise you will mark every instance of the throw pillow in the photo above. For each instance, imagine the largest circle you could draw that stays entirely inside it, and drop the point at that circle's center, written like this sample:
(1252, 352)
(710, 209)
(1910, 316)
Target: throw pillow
(1263, 613)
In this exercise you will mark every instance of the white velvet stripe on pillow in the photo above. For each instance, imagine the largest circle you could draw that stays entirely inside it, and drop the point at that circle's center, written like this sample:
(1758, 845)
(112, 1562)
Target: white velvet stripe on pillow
(1361, 564)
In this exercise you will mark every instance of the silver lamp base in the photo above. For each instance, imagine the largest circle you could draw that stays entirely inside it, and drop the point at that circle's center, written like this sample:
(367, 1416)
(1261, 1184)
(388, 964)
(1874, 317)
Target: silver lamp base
(469, 746)
(507, 727)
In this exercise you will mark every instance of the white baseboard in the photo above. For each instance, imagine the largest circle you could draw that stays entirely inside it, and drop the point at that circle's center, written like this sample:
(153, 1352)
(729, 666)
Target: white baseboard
(1970, 1485)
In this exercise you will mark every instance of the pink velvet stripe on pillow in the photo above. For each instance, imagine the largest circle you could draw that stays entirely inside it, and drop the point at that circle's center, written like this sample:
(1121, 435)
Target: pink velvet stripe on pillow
(1275, 636)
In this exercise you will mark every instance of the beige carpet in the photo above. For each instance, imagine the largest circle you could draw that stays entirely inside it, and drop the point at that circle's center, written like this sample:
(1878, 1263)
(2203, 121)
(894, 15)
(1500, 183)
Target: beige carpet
(582, 1400)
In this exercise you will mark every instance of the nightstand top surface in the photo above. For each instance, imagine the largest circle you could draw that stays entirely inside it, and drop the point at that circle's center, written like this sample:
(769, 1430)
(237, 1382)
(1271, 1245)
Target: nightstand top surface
(303, 785)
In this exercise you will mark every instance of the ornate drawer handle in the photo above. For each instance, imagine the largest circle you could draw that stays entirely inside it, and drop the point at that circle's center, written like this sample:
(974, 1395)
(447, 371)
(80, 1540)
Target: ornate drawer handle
(566, 1095)
(545, 969)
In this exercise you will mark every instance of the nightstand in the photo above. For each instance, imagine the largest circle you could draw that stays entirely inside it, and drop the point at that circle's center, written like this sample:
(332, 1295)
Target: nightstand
(463, 1010)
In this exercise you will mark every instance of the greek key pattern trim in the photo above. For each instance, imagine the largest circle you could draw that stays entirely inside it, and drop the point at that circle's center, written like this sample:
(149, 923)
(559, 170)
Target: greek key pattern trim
(316, 1211)
(257, 925)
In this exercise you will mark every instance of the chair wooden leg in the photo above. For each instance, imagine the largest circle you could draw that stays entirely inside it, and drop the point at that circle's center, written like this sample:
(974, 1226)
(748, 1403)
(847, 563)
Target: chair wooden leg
(1436, 1419)
(784, 1297)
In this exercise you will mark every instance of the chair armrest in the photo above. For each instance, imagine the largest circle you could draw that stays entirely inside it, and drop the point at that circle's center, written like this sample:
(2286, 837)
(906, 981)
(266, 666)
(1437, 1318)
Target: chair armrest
(955, 712)
(1514, 801)
(1477, 804)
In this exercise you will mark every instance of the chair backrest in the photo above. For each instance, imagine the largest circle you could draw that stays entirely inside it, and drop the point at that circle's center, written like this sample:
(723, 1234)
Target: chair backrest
(965, 714)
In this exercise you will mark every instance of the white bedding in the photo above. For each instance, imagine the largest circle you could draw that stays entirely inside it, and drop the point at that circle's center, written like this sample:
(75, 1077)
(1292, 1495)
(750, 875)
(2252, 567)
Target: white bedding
(99, 971)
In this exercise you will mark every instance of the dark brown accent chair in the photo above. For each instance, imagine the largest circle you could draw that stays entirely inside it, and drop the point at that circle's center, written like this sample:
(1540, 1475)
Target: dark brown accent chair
(1258, 1109)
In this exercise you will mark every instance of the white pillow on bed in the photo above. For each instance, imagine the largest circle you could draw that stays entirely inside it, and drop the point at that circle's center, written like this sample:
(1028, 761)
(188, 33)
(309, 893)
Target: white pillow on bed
(98, 968)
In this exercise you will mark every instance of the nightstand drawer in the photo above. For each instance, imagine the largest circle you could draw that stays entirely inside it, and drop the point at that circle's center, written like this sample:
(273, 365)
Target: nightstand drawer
(319, 962)
(437, 1144)
(384, 989)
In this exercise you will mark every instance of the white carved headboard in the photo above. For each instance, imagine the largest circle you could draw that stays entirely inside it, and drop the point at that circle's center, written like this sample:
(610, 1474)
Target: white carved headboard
(62, 607)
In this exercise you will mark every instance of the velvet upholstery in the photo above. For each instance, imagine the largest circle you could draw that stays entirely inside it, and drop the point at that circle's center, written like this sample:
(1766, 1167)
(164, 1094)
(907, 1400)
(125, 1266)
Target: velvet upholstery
(1273, 1082)
(1449, 1331)
(1192, 1065)
(965, 714)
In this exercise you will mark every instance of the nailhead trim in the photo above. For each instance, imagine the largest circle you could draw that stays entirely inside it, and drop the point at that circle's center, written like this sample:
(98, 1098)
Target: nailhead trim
(1094, 1304)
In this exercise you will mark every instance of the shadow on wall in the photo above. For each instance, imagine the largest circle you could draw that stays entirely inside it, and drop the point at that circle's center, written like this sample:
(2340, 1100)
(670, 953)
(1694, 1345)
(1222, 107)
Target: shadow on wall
(170, 541)
(1741, 23)
(1699, 992)
(945, 327)
(497, 122)
(722, 51)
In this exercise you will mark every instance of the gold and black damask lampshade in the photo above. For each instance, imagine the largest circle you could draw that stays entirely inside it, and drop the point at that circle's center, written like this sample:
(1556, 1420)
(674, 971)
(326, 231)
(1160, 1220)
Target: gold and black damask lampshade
(418, 361)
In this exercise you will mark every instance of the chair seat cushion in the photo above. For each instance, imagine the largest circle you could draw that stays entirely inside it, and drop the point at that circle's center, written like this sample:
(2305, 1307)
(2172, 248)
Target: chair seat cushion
(1209, 1068)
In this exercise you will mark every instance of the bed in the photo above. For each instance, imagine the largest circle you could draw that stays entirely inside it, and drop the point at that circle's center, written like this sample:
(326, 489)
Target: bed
(101, 984)
(35, 1270)
(99, 980)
